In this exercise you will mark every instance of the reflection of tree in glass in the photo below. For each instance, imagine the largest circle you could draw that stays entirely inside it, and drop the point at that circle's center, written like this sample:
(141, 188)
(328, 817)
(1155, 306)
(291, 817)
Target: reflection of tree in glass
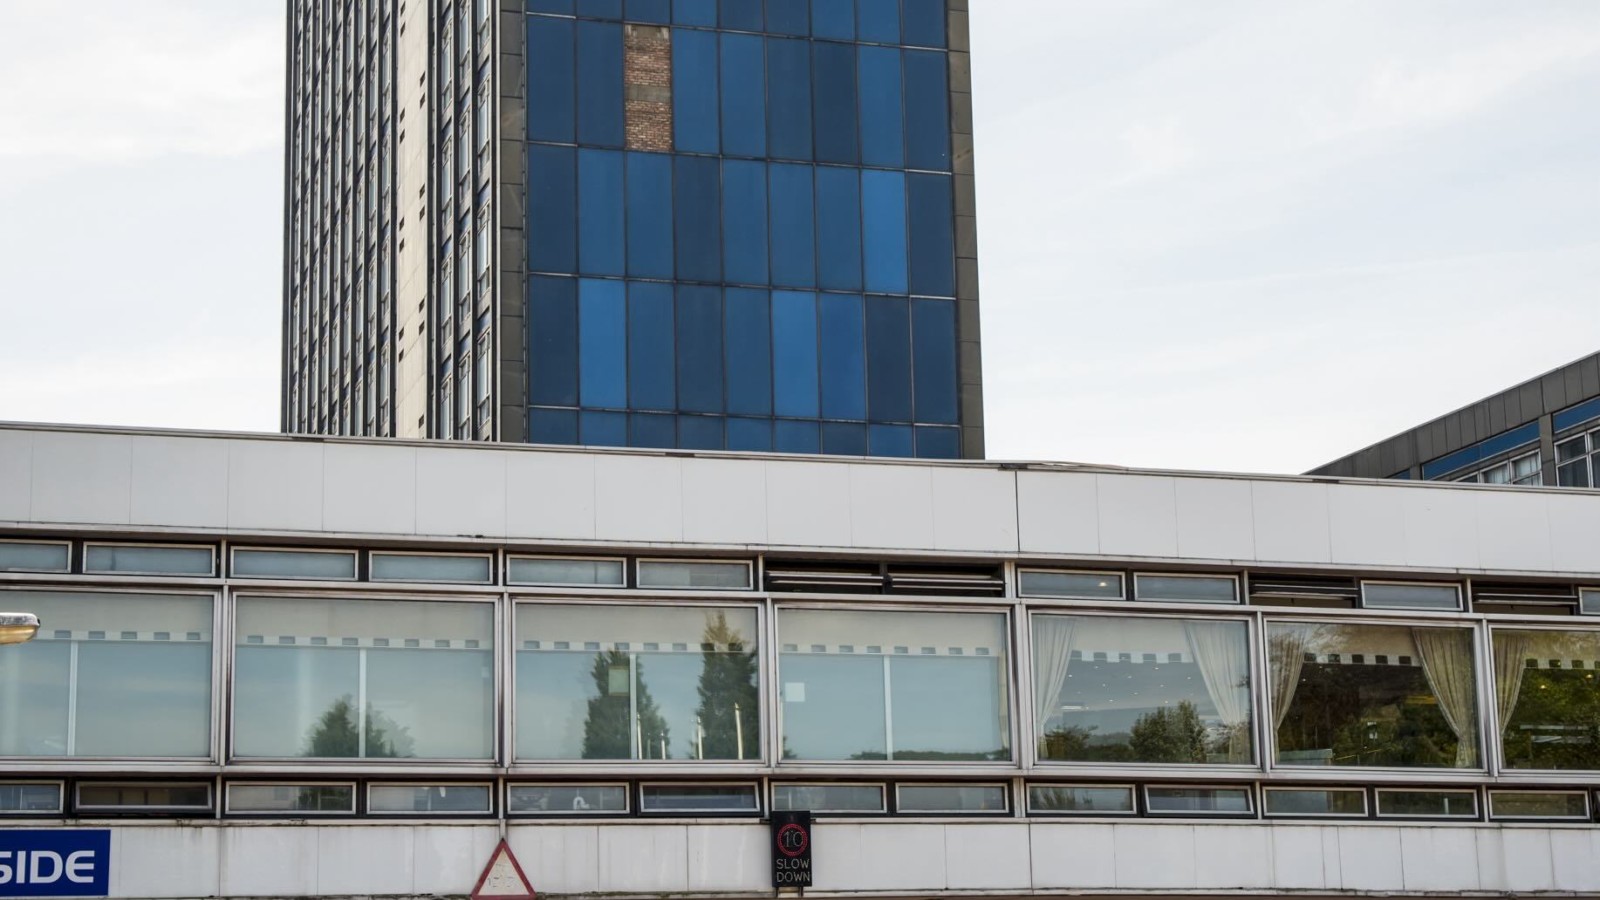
(336, 734)
(608, 730)
(1556, 722)
(1170, 735)
(728, 711)
(1366, 715)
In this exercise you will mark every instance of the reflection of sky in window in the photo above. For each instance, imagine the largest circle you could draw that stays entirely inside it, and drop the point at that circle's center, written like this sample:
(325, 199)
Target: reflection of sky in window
(1111, 696)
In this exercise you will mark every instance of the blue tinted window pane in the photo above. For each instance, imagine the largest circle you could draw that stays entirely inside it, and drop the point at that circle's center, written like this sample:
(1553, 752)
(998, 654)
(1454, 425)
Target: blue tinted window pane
(796, 437)
(834, 19)
(600, 215)
(793, 252)
(694, 12)
(602, 344)
(878, 20)
(653, 430)
(744, 221)
(550, 84)
(600, 83)
(883, 239)
(892, 440)
(938, 443)
(833, 79)
(927, 111)
(699, 348)
(600, 9)
(553, 342)
(842, 358)
(882, 124)
(844, 439)
(794, 353)
(932, 210)
(744, 15)
(656, 11)
(789, 17)
(749, 348)
(551, 6)
(552, 209)
(697, 214)
(604, 429)
(700, 433)
(694, 90)
(744, 90)
(933, 359)
(750, 435)
(552, 426)
(839, 228)
(651, 357)
(650, 215)
(924, 22)
(788, 99)
(888, 360)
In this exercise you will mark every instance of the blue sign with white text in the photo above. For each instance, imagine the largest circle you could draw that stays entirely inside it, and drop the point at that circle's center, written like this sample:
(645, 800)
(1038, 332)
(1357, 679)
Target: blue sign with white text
(64, 863)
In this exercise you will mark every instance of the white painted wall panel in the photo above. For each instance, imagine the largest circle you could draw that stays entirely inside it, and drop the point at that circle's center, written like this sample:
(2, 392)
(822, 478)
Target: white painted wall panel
(1575, 860)
(82, 478)
(1514, 530)
(1215, 518)
(144, 862)
(1233, 857)
(891, 507)
(461, 494)
(724, 501)
(974, 509)
(1370, 859)
(645, 859)
(179, 482)
(16, 475)
(1298, 860)
(1072, 855)
(901, 857)
(728, 858)
(1058, 512)
(1155, 856)
(367, 488)
(1440, 528)
(449, 860)
(275, 485)
(1291, 521)
(1431, 859)
(808, 504)
(550, 496)
(983, 856)
(1366, 525)
(1138, 515)
(1574, 522)
(558, 859)
(638, 498)
(385, 861)
(266, 861)
(836, 856)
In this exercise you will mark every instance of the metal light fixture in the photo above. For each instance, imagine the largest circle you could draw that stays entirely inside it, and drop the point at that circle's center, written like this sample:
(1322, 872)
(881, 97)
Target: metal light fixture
(16, 628)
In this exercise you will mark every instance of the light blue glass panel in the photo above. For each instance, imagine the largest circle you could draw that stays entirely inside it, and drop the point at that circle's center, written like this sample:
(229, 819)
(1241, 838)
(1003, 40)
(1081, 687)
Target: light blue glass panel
(697, 216)
(695, 12)
(883, 214)
(790, 436)
(892, 440)
(652, 430)
(603, 429)
(602, 344)
(743, 78)
(600, 212)
(600, 84)
(744, 221)
(650, 215)
(750, 435)
(842, 359)
(888, 360)
(833, 80)
(651, 379)
(553, 341)
(839, 228)
(882, 122)
(794, 353)
(932, 209)
(844, 439)
(550, 79)
(834, 19)
(789, 17)
(793, 249)
(924, 22)
(552, 209)
(749, 349)
(694, 90)
(878, 21)
(927, 83)
(699, 348)
(788, 98)
(933, 360)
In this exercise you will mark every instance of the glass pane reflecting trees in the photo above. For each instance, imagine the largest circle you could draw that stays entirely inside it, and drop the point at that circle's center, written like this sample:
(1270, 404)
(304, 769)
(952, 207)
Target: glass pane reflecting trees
(1547, 698)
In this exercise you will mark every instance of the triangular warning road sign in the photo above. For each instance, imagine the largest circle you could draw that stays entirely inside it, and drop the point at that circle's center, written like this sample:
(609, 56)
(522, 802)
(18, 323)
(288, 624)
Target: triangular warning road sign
(502, 878)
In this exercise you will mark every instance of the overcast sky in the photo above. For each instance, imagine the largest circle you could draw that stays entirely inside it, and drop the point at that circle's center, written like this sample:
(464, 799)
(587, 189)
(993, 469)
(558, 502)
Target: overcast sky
(1234, 234)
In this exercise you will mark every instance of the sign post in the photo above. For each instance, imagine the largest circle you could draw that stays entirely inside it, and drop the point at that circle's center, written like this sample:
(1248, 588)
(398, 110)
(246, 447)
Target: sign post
(55, 863)
(791, 849)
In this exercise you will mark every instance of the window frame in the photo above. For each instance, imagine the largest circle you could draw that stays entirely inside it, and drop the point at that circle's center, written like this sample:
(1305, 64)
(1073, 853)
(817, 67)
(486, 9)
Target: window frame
(59, 784)
(513, 782)
(65, 570)
(143, 545)
(1131, 812)
(640, 563)
(884, 790)
(1474, 789)
(1005, 791)
(229, 812)
(1497, 735)
(374, 555)
(355, 563)
(1238, 598)
(1586, 794)
(1254, 812)
(206, 811)
(1364, 791)
(1121, 577)
(1389, 582)
(755, 796)
(422, 782)
(510, 582)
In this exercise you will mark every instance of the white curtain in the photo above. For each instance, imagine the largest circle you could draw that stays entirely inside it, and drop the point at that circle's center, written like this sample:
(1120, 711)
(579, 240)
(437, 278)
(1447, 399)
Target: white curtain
(1286, 656)
(1052, 652)
(1219, 651)
(1446, 657)
(1511, 649)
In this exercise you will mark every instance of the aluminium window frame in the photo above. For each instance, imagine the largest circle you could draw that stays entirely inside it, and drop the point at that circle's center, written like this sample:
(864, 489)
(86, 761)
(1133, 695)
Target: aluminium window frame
(354, 554)
(1390, 582)
(1490, 712)
(1364, 790)
(640, 562)
(511, 782)
(60, 784)
(883, 787)
(1008, 811)
(489, 557)
(1476, 790)
(1148, 811)
(66, 570)
(757, 809)
(1238, 598)
(145, 545)
(512, 584)
(228, 811)
(188, 812)
(423, 780)
(1490, 794)
(1123, 584)
(1132, 811)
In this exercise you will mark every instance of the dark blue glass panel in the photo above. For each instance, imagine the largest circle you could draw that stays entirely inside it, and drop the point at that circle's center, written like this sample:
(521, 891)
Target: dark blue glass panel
(750, 435)
(796, 437)
(843, 439)
(927, 111)
(933, 360)
(697, 215)
(842, 359)
(699, 348)
(888, 360)
(600, 9)
(695, 12)
(839, 228)
(700, 433)
(883, 230)
(794, 354)
(793, 252)
(789, 17)
(651, 357)
(938, 443)
(602, 344)
(924, 22)
(552, 426)
(550, 6)
(749, 347)
(878, 21)
(933, 247)
(744, 221)
(833, 81)
(552, 209)
(658, 12)
(600, 84)
(653, 430)
(550, 74)
(604, 429)
(834, 19)
(788, 99)
(694, 90)
(741, 15)
(744, 91)
(892, 440)
(882, 124)
(600, 212)
(650, 215)
(553, 341)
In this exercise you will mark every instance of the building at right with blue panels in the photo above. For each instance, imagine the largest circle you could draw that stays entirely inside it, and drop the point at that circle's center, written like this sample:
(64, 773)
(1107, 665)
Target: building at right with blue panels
(746, 226)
